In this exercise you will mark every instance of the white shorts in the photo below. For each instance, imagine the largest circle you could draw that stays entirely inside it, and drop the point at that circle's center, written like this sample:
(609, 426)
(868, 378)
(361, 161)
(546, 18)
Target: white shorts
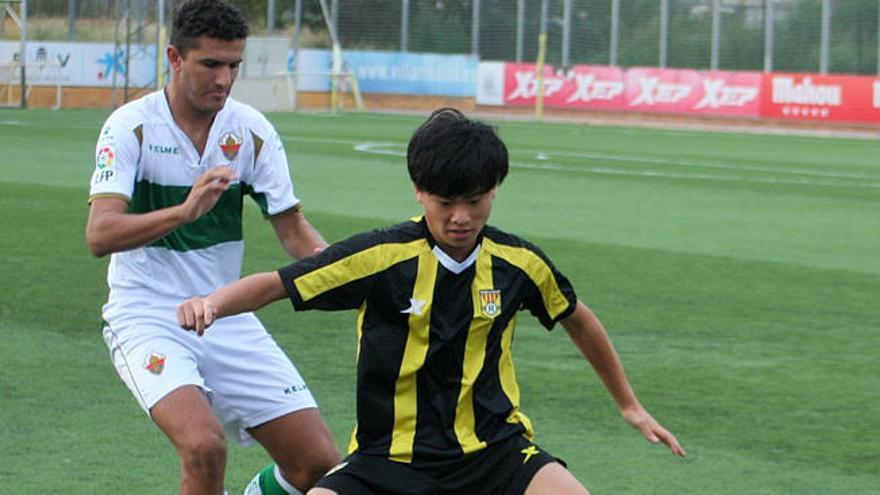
(245, 375)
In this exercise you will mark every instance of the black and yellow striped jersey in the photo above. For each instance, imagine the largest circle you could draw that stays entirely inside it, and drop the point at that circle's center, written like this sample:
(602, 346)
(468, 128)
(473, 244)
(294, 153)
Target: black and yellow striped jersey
(435, 372)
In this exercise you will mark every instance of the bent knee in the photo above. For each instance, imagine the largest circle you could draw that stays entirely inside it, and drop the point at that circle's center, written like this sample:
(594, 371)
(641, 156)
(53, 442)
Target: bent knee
(202, 448)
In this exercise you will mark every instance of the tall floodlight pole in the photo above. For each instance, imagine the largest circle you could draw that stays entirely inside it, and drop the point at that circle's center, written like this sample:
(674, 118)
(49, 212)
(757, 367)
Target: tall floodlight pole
(475, 29)
(404, 25)
(664, 30)
(615, 32)
(825, 36)
(768, 36)
(520, 21)
(716, 33)
(566, 33)
(539, 64)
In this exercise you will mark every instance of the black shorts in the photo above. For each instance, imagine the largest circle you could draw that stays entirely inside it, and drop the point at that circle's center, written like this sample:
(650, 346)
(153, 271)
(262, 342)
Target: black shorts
(504, 468)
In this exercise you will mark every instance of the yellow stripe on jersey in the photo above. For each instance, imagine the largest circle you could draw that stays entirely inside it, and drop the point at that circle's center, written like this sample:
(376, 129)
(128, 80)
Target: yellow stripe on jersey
(405, 390)
(537, 270)
(508, 381)
(359, 265)
(353, 443)
(474, 358)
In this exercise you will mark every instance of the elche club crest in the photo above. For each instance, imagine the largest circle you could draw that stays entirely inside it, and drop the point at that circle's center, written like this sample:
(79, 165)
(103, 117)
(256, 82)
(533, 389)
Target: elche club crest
(490, 302)
(229, 145)
(155, 363)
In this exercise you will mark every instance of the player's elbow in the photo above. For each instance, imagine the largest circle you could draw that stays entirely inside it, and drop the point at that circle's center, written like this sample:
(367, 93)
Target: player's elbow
(98, 246)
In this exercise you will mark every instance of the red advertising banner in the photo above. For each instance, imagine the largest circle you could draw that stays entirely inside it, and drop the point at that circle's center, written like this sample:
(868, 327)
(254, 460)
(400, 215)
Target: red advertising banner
(583, 86)
(686, 91)
(821, 98)
(692, 91)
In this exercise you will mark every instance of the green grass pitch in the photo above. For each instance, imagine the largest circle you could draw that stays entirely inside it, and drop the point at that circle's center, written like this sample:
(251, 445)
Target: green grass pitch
(738, 275)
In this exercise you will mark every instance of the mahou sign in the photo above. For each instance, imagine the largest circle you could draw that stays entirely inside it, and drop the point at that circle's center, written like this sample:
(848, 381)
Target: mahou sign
(821, 98)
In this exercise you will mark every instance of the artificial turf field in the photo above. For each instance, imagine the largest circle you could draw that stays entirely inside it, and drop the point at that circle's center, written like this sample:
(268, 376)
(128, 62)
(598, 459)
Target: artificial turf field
(738, 275)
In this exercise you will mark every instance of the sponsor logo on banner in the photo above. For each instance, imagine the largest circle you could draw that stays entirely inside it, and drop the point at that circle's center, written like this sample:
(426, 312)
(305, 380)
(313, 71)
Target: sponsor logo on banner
(588, 87)
(527, 85)
(229, 145)
(718, 94)
(804, 98)
(653, 91)
(490, 301)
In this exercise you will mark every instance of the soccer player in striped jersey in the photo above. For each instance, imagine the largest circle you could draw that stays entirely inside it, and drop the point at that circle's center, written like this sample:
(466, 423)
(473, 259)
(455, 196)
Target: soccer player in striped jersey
(172, 172)
(438, 405)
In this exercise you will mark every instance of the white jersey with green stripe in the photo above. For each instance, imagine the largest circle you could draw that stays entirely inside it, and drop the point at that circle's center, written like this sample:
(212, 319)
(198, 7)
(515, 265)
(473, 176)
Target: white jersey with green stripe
(143, 157)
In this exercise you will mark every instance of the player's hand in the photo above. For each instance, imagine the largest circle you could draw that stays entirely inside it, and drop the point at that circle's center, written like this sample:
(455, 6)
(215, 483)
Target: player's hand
(641, 420)
(196, 314)
(206, 191)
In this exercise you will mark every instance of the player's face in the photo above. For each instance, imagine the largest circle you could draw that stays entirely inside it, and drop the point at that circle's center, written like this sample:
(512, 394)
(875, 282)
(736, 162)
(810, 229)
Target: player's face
(206, 73)
(455, 223)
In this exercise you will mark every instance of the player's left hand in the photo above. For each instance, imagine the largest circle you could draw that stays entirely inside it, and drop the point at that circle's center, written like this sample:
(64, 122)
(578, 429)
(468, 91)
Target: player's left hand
(197, 313)
(641, 420)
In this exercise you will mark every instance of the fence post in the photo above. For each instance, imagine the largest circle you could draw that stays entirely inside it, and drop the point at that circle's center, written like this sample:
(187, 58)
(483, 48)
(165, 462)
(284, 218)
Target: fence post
(404, 25)
(615, 32)
(768, 36)
(716, 33)
(475, 30)
(664, 31)
(825, 37)
(520, 21)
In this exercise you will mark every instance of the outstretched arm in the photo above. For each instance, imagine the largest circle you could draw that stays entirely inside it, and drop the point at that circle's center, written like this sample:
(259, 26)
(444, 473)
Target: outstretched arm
(298, 237)
(588, 334)
(248, 294)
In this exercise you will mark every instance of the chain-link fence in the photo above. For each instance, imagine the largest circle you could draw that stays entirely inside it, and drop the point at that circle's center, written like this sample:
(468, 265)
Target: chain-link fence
(836, 36)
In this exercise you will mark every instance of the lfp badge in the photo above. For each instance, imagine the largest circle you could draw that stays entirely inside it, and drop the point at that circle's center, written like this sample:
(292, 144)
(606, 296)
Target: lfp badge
(229, 145)
(490, 301)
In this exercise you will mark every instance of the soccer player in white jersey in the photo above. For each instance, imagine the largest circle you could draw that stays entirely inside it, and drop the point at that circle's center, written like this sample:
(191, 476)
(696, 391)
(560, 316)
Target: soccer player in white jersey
(172, 170)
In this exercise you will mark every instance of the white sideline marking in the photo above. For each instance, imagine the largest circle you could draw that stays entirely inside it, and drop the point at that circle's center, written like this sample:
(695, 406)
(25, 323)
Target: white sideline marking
(391, 149)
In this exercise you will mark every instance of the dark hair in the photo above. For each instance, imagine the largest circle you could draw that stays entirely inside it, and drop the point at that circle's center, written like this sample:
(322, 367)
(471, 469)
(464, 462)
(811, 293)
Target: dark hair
(453, 156)
(212, 18)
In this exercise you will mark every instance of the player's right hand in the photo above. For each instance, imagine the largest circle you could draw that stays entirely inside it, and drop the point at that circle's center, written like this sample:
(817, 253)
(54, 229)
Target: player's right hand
(196, 314)
(206, 191)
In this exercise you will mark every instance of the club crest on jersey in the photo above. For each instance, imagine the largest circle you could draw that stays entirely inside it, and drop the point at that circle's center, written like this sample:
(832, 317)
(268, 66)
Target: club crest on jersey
(490, 301)
(155, 363)
(229, 145)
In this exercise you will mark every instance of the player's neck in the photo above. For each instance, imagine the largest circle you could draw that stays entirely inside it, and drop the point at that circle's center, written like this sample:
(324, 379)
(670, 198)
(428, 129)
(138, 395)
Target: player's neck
(194, 123)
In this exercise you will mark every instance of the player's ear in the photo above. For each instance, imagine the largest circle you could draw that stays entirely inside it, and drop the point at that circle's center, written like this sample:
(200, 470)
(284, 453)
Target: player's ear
(420, 195)
(175, 58)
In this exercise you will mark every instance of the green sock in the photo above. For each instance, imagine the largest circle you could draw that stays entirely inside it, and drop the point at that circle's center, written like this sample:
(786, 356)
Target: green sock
(270, 482)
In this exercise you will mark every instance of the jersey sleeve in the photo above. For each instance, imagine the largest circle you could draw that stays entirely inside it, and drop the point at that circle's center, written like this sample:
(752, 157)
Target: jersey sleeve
(554, 298)
(340, 277)
(116, 159)
(269, 185)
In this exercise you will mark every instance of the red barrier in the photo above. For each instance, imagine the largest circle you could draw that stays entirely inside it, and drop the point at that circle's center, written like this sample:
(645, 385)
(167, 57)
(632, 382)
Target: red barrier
(583, 86)
(684, 91)
(693, 92)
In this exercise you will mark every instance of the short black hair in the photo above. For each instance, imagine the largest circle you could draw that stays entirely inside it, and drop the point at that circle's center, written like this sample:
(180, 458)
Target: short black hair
(212, 18)
(452, 156)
